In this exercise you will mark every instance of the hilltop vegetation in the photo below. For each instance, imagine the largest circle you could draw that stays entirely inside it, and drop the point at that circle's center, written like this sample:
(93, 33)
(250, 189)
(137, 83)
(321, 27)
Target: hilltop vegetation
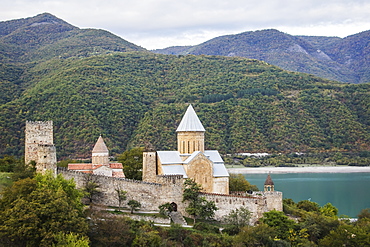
(136, 98)
(45, 36)
(345, 60)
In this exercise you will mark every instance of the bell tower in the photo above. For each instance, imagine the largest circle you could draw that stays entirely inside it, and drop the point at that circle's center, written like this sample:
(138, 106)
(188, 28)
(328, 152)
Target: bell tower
(269, 184)
(190, 133)
(100, 153)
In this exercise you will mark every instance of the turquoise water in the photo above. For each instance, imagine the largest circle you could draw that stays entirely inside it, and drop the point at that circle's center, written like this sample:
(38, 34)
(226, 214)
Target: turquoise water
(349, 192)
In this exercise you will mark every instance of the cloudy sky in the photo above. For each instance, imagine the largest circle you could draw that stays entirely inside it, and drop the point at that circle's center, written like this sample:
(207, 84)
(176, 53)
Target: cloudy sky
(156, 24)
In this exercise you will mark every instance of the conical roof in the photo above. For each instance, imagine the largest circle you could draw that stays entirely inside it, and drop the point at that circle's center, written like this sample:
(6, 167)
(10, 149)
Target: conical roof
(190, 121)
(269, 180)
(100, 146)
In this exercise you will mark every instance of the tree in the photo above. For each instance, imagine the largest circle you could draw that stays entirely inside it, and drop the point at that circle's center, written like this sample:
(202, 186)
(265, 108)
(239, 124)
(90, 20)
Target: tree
(329, 210)
(165, 209)
(91, 187)
(237, 182)
(36, 210)
(22, 170)
(260, 235)
(121, 195)
(134, 205)
(198, 206)
(238, 218)
(346, 235)
(106, 230)
(365, 213)
(318, 225)
(132, 162)
(279, 221)
(70, 240)
(308, 206)
(8, 163)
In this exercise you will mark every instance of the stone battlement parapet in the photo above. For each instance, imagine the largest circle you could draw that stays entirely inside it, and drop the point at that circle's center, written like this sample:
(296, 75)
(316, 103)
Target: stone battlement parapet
(64, 170)
(44, 123)
(230, 195)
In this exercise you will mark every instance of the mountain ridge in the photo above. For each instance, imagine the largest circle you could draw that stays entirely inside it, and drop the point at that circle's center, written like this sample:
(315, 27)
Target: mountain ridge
(22, 40)
(318, 55)
(91, 82)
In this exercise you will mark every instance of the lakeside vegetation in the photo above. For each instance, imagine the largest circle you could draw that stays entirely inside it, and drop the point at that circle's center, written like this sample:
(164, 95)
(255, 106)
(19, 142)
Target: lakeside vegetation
(299, 159)
(44, 210)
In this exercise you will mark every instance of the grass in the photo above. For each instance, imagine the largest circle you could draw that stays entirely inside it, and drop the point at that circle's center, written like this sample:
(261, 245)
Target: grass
(116, 211)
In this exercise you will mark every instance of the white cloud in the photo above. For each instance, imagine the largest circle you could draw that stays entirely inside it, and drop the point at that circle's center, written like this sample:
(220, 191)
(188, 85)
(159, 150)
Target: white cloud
(161, 23)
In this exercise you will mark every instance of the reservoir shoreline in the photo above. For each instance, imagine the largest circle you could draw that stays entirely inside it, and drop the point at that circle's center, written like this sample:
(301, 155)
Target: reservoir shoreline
(305, 169)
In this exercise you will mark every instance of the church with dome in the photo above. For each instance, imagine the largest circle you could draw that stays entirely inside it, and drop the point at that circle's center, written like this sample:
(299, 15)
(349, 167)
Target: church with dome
(190, 160)
(100, 164)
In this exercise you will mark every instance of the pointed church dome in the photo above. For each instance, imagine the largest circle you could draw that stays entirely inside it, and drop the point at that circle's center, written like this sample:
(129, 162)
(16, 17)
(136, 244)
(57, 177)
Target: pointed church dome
(269, 180)
(190, 122)
(100, 146)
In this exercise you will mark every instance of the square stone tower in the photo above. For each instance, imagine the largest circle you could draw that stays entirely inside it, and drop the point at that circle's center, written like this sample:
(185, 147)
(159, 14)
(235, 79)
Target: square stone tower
(39, 145)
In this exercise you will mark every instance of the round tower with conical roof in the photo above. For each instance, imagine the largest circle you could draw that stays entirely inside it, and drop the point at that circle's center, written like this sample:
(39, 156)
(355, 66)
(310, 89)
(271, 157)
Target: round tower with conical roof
(190, 133)
(100, 153)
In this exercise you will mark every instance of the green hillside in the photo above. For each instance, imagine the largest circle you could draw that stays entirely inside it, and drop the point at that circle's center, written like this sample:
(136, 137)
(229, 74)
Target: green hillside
(91, 82)
(137, 98)
(45, 36)
(344, 60)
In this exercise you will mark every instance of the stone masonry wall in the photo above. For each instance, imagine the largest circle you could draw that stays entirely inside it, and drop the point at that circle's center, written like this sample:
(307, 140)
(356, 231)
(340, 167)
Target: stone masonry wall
(36, 133)
(150, 195)
(274, 200)
(170, 189)
(226, 203)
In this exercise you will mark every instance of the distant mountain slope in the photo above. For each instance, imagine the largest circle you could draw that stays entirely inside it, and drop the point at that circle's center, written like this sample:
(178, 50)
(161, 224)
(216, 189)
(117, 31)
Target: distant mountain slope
(135, 98)
(82, 81)
(353, 52)
(45, 36)
(321, 56)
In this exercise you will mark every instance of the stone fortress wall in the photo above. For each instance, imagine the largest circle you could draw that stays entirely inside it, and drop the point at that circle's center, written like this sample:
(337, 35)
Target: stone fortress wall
(165, 189)
(170, 189)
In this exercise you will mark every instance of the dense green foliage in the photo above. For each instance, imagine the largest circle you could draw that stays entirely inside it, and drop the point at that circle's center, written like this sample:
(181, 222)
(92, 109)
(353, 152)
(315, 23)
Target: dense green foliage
(198, 207)
(36, 211)
(273, 229)
(137, 99)
(132, 162)
(46, 211)
(237, 182)
(333, 58)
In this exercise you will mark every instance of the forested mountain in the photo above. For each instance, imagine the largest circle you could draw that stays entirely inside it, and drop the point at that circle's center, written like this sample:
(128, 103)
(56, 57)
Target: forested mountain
(135, 98)
(345, 60)
(45, 36)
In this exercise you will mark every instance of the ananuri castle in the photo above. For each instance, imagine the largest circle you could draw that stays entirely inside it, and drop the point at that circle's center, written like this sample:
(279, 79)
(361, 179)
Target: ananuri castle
(164, 172)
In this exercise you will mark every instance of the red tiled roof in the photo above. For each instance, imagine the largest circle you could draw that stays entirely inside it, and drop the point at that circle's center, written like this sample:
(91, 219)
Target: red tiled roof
(118, 174)
(96, 167)
(80, 166)
(84, 166)
(115, 165)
